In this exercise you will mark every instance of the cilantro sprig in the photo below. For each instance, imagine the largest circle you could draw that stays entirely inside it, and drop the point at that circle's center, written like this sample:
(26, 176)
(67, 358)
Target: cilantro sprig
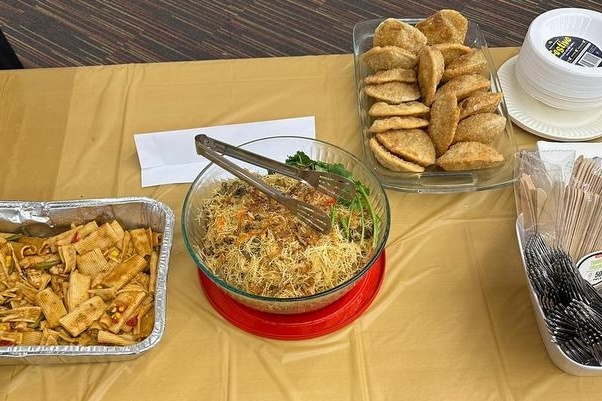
(361, 201)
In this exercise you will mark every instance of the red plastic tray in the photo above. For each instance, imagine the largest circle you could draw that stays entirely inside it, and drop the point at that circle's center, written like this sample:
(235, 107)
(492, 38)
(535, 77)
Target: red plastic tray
(298, 326)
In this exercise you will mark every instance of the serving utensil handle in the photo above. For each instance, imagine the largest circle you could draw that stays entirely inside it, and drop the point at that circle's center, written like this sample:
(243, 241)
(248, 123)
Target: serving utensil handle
(309, 214)
(239, 172)
(246, 156)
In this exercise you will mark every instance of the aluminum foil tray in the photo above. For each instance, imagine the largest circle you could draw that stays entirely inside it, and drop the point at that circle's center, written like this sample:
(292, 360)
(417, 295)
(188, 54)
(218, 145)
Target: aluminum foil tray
(47, 218)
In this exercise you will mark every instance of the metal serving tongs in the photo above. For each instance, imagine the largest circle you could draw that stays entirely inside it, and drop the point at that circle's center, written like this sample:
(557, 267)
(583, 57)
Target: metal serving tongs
(328, 183)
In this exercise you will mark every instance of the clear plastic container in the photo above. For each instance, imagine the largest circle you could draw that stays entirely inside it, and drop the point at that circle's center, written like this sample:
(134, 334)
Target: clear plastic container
(193, 227)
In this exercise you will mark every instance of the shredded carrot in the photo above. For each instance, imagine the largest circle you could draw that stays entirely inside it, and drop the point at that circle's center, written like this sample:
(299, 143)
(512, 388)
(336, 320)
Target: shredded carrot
(329, 201)
(220, 223)
(241, 213)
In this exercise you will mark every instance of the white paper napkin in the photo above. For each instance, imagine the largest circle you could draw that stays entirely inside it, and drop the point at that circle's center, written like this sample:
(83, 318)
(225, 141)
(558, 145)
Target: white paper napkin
(170, 157)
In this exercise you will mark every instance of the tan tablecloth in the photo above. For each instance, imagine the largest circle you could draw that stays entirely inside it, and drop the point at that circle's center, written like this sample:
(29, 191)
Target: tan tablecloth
(452, 320)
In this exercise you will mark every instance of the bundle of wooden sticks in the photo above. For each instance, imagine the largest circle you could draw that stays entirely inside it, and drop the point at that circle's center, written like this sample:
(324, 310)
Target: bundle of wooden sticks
(568, 213)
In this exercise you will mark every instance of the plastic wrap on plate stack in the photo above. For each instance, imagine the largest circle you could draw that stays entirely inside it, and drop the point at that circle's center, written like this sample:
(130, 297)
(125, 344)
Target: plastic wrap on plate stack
(559, 201)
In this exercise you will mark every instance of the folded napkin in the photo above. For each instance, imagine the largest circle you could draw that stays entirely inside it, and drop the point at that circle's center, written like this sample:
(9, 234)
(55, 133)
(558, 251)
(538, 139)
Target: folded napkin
(170, 157)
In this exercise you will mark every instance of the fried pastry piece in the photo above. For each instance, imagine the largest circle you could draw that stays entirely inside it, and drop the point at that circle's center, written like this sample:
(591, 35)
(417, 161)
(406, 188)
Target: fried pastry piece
(473, 62)
(394, 123)
(482, 127)
(412, 145)
(464, 86)
(393, 32)
(469, 156)
(445, 115)
(445, 26)
(480, 102)
(413, 108)
(392, 75)
(390, 161)
(387, 57)
(393, 92)
(430, 70)
(451, 51)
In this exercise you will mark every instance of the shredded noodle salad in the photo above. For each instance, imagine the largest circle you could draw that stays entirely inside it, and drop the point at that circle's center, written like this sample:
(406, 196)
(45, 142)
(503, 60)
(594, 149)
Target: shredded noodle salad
(255, 244)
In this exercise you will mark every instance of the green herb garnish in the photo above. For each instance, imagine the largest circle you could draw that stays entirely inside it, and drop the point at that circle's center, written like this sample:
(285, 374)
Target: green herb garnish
(361, 201)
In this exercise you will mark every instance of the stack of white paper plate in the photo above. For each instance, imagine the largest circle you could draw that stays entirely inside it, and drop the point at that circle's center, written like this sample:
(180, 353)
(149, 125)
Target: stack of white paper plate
(560, 62)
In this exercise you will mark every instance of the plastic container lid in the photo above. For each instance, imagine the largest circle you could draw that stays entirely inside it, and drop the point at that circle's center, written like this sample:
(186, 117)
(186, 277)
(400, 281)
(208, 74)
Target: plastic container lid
(298, 326)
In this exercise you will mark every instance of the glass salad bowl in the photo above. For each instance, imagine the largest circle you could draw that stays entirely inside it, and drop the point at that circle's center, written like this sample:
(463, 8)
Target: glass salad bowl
(195, 231)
